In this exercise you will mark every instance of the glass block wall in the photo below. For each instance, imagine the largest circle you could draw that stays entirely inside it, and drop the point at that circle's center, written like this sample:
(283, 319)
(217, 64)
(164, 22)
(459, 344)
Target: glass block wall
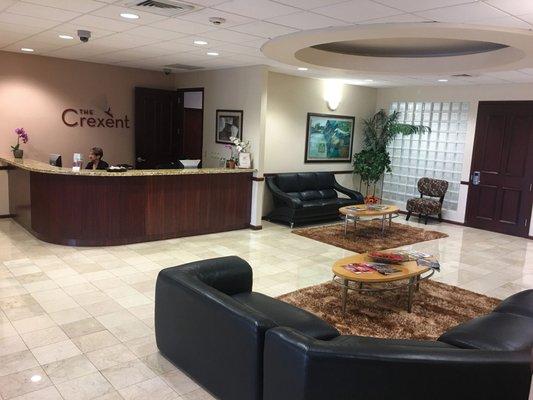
(438, 154)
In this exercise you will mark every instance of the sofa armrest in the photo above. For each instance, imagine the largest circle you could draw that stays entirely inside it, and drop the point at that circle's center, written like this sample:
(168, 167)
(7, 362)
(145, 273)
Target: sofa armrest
(282, 196)
(297, 367)
(352, 194)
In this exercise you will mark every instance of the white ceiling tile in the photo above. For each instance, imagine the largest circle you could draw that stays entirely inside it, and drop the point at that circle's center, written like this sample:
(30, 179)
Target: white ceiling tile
(507, 22)
(26, 20)
(189, 40)
(7, 38)
(260, 9)
(71, 29)
(463, 13)
(237, 49)
(417, 5)
(309, 4)
(263, 29)
(226, 35)
(154, 33)
(109, 24)
(18, 28)
(5, 4)
(81, 6)
(114, 12)
(527, 17)
(34, 10)
(174, 46)
(182, 26)
(512, 76)
(356, 10)
(202, 17)
(39, 48)
(515, 7)
(396, 19)
(306, 20)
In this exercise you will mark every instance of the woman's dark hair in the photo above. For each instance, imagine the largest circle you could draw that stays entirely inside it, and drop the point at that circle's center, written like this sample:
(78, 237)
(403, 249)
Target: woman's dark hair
(97, 151)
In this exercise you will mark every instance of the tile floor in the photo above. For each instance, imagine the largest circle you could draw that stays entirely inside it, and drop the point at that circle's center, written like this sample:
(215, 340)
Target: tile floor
(77, 323)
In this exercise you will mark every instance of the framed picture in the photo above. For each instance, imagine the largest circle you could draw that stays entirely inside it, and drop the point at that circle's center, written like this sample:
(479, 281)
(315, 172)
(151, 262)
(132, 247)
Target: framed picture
(229, 123)
(329, 138)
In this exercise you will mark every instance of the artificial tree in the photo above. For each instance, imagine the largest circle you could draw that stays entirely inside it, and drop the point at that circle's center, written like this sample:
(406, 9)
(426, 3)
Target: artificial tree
(378, 132)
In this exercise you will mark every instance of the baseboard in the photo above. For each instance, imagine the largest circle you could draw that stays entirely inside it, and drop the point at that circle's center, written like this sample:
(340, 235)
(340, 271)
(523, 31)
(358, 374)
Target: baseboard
(435, 219)
(6, 216)
(256, 227)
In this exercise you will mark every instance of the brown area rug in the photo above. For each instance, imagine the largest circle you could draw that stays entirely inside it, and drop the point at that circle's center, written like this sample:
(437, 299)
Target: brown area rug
(368, 236)
(437, 307)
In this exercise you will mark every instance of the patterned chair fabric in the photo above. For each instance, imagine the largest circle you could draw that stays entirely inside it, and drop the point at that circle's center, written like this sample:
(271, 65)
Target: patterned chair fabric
(428, 206)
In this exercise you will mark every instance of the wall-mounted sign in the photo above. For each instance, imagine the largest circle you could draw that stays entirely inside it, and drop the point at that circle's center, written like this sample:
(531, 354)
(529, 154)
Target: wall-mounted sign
(90, 118)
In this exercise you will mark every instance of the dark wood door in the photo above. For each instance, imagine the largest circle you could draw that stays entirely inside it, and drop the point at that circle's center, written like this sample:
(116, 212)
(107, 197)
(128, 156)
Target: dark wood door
(157, 127)
(193, 121)
(503, 157)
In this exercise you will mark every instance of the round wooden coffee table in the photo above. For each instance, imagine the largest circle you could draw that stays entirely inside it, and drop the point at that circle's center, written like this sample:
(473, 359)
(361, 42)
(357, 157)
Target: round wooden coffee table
(411, 273)
(358, 212)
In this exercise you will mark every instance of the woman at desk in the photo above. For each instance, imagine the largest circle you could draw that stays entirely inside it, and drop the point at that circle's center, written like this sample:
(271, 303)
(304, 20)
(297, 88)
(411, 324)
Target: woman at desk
(95, 160)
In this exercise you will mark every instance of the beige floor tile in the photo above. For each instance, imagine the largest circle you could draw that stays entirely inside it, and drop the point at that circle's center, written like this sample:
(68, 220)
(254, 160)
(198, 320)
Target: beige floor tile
(142, 346)
(87, 387)
(110, 356)
(50, 393)
(180, 382)
(159, 364)
(82, 327)
(95, 341)
(155, 389)
(23, 382)
(44, 337)
(69, 368)
(55, 352)
(128, 373)
(16, 362)
(11, 344)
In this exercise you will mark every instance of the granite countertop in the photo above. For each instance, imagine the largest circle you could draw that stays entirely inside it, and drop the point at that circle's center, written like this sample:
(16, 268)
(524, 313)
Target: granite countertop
(38, 166)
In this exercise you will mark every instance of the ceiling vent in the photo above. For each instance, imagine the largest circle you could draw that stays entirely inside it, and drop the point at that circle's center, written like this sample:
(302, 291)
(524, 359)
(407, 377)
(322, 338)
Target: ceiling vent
(184, 67)
(167, 8)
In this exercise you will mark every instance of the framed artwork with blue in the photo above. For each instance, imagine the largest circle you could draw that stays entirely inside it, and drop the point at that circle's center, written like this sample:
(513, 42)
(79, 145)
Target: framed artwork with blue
(329, 138)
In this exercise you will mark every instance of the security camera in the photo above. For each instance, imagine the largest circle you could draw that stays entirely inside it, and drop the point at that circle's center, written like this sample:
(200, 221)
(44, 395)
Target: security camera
(84, 35)
(217, 20)
(167, 71)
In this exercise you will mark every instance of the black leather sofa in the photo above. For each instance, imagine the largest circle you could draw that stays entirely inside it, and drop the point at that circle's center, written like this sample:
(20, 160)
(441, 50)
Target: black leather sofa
(308, 197)
(244, 345)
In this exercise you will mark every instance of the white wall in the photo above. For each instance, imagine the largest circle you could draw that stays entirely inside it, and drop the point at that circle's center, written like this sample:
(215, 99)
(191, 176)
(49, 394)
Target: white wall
(234, 89)
(290, 98)
(468, 93)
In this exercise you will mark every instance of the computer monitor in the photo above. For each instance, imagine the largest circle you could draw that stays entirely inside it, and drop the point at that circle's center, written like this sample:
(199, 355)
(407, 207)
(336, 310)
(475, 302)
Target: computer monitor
(55, 160)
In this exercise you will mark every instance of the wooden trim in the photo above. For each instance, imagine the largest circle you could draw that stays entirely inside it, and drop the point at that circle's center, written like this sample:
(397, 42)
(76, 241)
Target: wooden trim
(6, 216)
(6, 167)
(436, 219)
(303, 172)
(258, 178)
(256, 227)
(465, 183)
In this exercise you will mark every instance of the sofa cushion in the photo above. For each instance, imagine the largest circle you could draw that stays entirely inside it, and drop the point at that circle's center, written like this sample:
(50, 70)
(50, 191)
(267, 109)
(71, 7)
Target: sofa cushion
(325, 180)
(519, 303)
(284, 314)
(288, 183)
(328, 193)
(307, 195)
(307, 181)
(424, 206)
(495, 331)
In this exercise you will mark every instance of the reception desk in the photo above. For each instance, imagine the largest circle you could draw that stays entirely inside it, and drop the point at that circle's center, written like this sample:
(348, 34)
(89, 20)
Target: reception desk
(99, 208)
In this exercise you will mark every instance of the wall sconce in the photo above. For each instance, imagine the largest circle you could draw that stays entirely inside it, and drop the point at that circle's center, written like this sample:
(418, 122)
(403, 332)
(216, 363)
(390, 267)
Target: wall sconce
(333, 93)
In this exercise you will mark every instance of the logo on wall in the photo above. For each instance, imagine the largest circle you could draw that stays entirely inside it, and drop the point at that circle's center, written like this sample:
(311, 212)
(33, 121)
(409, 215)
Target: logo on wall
(90, 118)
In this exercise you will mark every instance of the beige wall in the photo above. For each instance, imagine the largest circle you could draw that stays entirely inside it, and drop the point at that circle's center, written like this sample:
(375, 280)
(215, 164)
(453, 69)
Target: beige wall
(470, 93)
(290, 98)
(234, 89)
(35, 90)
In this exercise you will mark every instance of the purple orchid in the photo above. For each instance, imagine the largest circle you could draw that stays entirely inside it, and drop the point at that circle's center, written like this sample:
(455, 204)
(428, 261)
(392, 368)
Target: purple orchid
(21, 135)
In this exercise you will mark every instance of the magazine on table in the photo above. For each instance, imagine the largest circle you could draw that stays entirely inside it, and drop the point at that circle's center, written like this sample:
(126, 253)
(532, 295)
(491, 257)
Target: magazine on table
(429, 263)
(384, 269)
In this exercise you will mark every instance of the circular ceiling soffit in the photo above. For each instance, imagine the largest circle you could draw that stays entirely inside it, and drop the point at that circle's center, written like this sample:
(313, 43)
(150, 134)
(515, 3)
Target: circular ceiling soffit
(403, 49)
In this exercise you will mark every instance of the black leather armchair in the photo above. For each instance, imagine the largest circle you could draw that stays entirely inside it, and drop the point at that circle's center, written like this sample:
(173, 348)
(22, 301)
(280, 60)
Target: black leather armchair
(308, 197)
(211, 325)
(351, 368)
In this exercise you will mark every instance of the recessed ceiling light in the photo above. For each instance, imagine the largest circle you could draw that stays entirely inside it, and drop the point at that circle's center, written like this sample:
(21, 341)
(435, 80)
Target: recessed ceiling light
(66, 37)
(443, 80)
(212, 53)
(27, 50)
(200, 42)
(129, 16)
(302, 69)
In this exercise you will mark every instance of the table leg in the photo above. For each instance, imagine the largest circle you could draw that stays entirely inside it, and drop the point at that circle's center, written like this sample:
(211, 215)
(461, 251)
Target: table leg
(360, 285)
(383, 225)
(344, 295)
(410, 294)
(390, 220)
(355, 226)
(345, 225)
(418, 283)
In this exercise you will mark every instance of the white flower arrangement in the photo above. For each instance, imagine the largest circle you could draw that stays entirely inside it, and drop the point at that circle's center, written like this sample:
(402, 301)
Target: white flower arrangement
(240, 145)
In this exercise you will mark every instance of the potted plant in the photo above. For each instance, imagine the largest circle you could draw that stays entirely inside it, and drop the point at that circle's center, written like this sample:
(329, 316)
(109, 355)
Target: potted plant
(231, 161)
(21, 135)
(374, 160)
(243, 156)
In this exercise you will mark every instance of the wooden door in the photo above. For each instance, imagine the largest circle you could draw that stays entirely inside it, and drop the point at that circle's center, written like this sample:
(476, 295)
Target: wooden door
(503, 158)
(157, 127)
(192, 111)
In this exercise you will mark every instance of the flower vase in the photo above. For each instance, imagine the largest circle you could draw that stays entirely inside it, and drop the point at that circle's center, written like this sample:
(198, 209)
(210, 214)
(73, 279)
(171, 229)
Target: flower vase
(230, 164)
(18, 153)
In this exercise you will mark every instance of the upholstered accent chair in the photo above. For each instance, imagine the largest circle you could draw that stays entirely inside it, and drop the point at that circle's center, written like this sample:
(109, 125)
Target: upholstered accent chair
(429, 205)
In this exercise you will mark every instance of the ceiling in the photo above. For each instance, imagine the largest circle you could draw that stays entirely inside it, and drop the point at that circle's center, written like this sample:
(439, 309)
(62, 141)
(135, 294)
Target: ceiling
(153, 40)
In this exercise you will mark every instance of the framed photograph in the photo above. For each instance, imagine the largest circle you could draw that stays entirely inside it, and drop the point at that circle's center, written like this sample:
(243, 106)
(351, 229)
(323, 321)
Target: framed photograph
(229, 123)
(245, 160)
(329, 138)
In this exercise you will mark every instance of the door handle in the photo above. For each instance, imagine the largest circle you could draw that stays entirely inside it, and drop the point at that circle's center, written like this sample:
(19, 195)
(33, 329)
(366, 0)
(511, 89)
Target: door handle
(140, 159)
(476, 178)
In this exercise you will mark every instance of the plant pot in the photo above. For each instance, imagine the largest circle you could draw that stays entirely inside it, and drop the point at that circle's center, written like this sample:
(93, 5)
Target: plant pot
(230, 164)
(18, 153)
